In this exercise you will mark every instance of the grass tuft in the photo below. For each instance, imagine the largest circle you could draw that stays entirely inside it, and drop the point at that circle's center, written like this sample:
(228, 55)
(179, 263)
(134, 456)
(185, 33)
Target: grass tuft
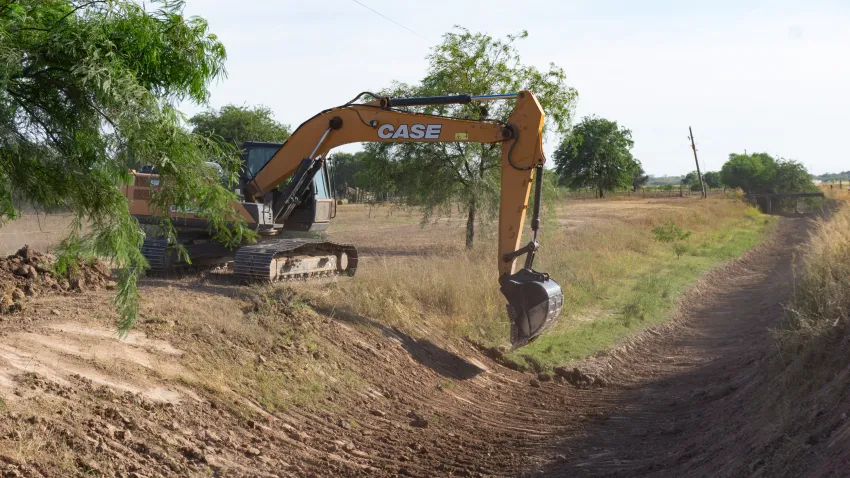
(820, 310)
(264, 345)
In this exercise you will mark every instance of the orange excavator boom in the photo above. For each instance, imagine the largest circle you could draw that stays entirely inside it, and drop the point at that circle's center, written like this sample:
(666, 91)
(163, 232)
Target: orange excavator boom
(534, 299)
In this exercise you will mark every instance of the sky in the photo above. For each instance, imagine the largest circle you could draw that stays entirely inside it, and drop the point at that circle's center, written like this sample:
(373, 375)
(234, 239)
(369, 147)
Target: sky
(747, 75)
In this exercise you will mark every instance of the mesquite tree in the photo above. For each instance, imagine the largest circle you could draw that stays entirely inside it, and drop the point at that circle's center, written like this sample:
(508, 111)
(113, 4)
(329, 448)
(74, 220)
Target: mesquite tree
(237, 124)
(88, 88)
(597, 154)
(437, 176)
(761, 173)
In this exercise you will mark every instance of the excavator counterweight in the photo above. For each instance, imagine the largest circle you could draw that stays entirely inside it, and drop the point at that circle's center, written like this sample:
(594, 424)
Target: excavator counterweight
(304, 203)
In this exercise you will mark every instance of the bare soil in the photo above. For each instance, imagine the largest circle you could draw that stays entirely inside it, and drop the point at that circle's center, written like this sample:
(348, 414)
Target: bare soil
(683, 399)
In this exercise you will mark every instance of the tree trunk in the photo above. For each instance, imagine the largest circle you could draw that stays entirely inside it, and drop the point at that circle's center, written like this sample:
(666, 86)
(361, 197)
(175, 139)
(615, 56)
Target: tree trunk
(470, 225)
(601, 193)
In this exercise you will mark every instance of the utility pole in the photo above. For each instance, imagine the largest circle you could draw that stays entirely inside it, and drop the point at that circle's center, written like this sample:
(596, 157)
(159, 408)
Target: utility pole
(696, 160)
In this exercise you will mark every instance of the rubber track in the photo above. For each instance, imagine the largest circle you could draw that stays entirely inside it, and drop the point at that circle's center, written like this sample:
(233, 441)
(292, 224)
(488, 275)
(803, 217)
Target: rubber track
(253, 262)
(154, 250)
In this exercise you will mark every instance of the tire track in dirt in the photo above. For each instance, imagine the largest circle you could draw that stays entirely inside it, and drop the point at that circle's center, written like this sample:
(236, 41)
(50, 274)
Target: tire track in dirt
(688, 394)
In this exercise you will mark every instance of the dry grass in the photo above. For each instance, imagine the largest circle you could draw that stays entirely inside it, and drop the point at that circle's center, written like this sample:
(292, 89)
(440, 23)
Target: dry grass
(33, 440)
(602, 254)
(823, 291)
(260, 343)
(836, 193)
(813, 339)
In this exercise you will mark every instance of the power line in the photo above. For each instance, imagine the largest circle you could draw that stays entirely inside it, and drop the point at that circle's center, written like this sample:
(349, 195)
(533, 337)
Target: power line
(390, 19)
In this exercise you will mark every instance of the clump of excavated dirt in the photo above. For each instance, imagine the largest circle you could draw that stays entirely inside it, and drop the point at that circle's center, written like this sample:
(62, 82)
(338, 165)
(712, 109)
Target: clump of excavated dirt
(29, 273)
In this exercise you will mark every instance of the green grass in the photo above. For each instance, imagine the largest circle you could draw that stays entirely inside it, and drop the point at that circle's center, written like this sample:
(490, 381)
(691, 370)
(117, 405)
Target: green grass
(644, 297)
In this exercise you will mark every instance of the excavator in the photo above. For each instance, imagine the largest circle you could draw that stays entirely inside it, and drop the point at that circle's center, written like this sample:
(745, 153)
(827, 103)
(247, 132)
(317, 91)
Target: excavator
(285, 187)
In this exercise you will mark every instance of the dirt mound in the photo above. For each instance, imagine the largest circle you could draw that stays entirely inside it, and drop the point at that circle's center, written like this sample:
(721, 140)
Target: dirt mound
(29, 273)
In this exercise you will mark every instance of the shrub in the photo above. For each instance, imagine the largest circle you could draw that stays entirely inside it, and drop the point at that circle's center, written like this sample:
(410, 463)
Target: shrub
(670, 233)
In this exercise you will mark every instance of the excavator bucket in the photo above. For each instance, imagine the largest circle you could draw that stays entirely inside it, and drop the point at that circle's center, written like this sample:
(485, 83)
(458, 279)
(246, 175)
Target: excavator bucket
(534, 302)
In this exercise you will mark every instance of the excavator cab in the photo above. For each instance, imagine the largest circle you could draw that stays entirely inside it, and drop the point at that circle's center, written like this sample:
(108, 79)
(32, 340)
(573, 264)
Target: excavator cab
(255, 155)
(315, 207)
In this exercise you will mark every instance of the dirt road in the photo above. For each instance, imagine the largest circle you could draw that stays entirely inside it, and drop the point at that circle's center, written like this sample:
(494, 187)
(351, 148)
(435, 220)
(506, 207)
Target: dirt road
(690, 400)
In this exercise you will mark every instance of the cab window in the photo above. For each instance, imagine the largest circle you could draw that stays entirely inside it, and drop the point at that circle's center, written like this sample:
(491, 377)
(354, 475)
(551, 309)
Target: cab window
(256, 156)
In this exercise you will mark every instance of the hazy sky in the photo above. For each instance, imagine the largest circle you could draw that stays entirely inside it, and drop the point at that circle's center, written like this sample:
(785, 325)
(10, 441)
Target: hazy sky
(768, 76)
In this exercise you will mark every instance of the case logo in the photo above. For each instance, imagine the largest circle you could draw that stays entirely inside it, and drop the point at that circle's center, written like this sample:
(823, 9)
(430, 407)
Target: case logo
(416, 131)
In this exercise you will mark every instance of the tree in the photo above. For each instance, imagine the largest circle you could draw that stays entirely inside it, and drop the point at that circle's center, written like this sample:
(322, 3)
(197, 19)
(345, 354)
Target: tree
(752, 173)
(639, 178)
(347, 170)
(87, 88)
(597, 153)
(664, 180)
(237, 124)
(690, 179)
(761, 173)
(437, 176)
(670, 233)
(712, 179)
(792, 176)
(842, 176)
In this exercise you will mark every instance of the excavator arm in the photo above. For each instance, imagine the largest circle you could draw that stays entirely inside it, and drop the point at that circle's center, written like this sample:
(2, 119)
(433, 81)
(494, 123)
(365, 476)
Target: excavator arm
(534, 299)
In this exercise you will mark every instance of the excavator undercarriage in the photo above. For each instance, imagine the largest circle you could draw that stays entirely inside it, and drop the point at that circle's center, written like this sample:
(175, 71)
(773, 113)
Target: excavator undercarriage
(270, 260)
(287, 259)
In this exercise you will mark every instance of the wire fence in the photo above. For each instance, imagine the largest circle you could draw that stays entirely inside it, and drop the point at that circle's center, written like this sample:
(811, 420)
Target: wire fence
(357, 195)
(640, 193)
